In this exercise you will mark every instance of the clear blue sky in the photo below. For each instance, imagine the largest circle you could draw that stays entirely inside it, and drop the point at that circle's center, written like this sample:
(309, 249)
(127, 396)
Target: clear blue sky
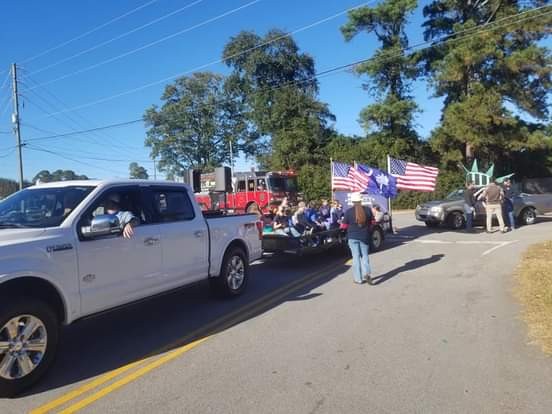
(31, 27)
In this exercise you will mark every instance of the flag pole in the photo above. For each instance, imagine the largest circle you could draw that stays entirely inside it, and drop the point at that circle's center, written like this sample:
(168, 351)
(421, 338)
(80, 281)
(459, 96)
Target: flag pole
(389, 206)
(331, 179)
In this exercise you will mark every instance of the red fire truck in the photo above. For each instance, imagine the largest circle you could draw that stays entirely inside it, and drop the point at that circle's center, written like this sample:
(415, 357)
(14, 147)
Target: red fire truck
(251, 189)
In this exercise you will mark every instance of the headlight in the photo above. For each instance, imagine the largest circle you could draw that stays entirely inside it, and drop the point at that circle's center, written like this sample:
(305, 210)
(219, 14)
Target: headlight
(436, 210)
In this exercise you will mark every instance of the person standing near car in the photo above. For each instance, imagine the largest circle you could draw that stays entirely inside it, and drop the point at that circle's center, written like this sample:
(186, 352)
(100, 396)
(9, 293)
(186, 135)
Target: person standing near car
(493, 196)
(508, 205)
(358, 220)
(469, 204)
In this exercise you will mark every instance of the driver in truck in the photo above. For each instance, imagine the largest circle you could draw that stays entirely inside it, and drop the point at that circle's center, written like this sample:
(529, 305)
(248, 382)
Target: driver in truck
(127, 220)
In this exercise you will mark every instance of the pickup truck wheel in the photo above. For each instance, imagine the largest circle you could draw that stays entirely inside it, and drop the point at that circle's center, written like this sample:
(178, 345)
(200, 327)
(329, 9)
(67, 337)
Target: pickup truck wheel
(376, 239)
(456, 220)
(29, 332)
(528, 216)
(233, 277)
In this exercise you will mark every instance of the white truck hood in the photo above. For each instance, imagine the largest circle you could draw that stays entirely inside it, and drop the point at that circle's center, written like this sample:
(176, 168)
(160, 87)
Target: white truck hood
(13, 236)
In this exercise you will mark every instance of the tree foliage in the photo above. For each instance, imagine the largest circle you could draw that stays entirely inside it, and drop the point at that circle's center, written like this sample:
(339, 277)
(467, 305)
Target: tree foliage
(46, 176)
(490, 79)
(390, 72)
(198, 120)
(137, 171)
(8, 187)
(277, 84)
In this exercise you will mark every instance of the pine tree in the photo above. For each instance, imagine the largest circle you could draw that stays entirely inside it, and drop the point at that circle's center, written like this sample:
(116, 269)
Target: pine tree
(493, 74)
(389, 121)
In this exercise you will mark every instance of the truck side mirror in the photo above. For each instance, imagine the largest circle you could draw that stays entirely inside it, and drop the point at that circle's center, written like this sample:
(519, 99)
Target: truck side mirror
(102, 225)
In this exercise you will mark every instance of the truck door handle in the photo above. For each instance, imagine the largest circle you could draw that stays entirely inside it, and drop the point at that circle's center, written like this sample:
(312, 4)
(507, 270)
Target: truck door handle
(150, 241)
(198, 233)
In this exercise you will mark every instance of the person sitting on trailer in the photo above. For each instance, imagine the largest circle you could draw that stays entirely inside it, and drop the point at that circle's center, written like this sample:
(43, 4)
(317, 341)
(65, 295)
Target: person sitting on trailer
(336, 213)
(299, 220)
(314, 217)
(325, 214)
(281, 224)
(378, 214)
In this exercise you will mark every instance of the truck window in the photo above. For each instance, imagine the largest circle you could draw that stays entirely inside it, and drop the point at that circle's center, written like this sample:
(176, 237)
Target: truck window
(127, 199)
(250, 185)
(172, 205)
(241, 186)
(261, 184)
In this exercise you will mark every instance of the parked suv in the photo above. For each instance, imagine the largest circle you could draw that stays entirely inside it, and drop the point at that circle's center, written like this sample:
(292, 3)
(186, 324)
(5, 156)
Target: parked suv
(450, 211)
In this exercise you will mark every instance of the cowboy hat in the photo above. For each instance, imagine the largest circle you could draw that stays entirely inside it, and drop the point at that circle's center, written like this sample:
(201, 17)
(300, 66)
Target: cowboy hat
(356, 198)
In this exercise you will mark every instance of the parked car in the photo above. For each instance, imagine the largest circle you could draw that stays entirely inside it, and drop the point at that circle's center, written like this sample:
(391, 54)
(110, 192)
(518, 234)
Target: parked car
(63, 258)
(450, 211)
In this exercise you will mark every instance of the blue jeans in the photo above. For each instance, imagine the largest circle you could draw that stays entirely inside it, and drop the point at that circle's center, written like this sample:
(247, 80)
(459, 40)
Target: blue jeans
(508, 209)
(468, 213)
(361, 262)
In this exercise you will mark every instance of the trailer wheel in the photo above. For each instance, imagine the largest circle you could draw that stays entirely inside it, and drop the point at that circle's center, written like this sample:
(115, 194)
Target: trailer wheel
(376, 239)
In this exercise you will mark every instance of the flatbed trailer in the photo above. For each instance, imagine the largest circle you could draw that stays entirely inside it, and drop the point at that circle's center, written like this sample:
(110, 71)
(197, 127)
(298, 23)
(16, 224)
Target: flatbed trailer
(317, 241)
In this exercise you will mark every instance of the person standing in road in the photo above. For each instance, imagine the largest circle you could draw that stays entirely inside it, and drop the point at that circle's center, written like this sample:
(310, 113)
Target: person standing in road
(469, 204)
(493, 196)
(508, 205)
(358, 220)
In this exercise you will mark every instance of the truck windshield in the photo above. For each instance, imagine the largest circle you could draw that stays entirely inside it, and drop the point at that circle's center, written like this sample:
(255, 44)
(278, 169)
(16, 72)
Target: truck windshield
(40, 207)
(281, 184)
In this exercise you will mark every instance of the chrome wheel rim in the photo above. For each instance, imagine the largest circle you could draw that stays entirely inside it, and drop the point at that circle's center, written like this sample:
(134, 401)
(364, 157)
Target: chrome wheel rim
(530, 217)
(236, 272)
(458, 221)
(23, 343)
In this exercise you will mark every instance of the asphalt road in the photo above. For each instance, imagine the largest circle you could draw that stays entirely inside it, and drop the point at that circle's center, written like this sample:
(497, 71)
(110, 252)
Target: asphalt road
(439, 333)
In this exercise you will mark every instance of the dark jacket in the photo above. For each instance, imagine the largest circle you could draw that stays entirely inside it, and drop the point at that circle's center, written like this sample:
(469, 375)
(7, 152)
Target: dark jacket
(354, 231)
(469, 197)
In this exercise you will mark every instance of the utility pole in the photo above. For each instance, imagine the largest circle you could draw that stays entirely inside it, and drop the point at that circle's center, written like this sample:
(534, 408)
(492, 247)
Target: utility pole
(15, 121)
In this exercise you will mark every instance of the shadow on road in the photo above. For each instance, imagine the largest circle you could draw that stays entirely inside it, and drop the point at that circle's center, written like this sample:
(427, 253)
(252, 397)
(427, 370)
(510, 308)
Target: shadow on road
(412, 265)
(98, 345)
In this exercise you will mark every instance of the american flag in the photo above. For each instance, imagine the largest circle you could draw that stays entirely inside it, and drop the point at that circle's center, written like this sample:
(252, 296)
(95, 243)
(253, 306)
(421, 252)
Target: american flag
(360, 178)
(411, 176)
(342, 179)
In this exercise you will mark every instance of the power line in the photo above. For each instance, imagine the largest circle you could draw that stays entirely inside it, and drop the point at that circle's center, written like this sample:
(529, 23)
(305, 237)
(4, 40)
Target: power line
(8, 153)
(73, 159)
(94, 157)
(36, 128)
(85, 131)
(80, 126)
(301, 29)
(113, 39)
(5, 81)
(6, 106)
(90, 31)
(133, 51)
(468, 33)
(79, 153)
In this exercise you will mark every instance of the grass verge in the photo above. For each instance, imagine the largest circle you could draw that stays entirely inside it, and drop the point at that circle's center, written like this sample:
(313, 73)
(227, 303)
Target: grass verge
(534, 290)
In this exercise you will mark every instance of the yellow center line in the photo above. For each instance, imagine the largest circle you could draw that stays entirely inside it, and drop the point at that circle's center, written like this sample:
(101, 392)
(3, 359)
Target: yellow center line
(85, 388)
(225, 321)
(131, 377)
(177, 352)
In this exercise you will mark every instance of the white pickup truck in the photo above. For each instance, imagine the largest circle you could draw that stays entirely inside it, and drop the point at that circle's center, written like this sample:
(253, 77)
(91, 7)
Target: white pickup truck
(62, 257)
